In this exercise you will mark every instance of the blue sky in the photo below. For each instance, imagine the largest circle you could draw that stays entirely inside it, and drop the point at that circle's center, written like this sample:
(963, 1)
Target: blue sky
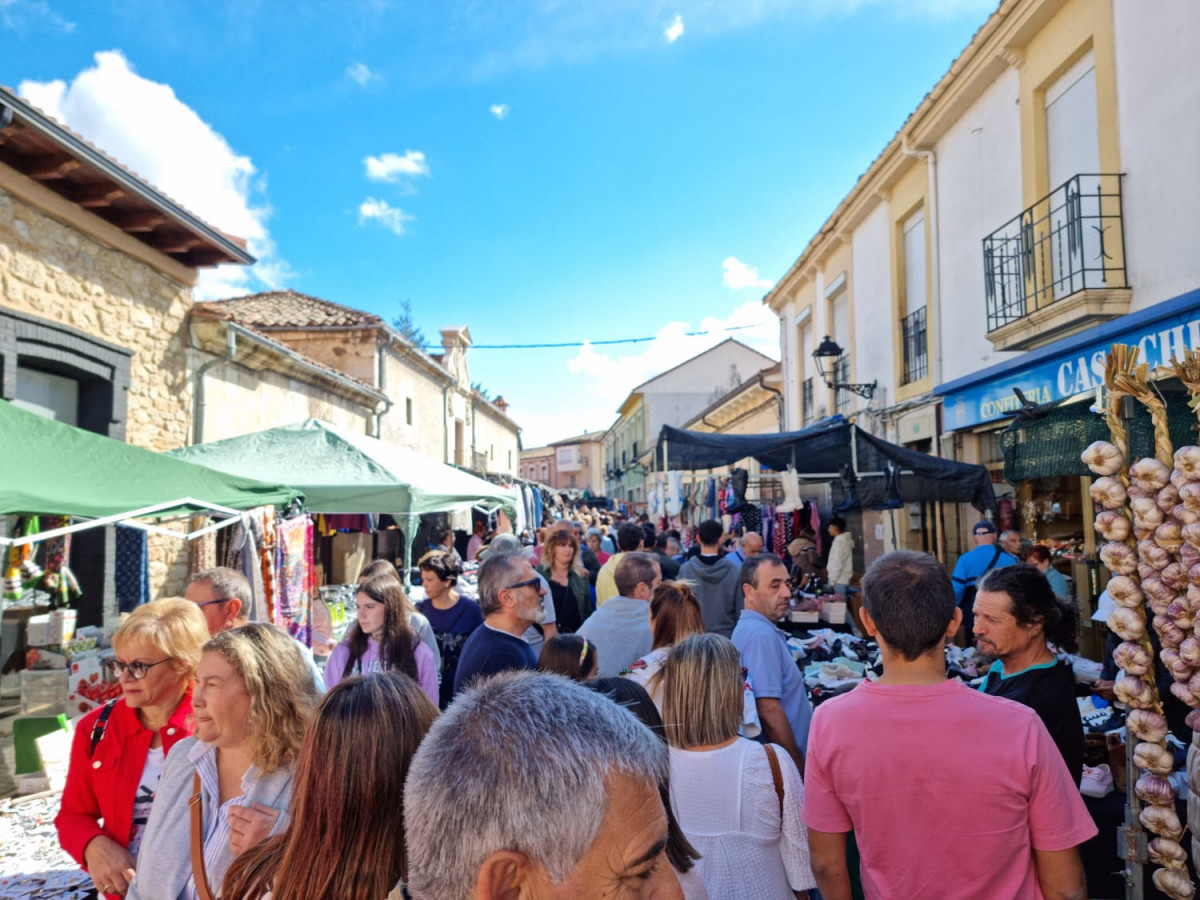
(539, 171)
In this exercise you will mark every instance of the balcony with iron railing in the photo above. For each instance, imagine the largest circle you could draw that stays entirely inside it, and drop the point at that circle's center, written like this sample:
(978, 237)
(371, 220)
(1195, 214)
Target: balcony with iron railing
(1059, 266)
(916, 354)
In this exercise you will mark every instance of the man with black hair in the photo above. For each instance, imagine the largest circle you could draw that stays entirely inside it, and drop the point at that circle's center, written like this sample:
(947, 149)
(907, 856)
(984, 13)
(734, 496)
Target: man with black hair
(779, 692)
(1017, 617)
(630, 539)
(714, 579)
(902, 759)
(670, 568)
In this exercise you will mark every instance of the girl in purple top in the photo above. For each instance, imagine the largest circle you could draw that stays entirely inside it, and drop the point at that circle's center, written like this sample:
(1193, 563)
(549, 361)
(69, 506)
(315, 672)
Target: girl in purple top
(381, 641)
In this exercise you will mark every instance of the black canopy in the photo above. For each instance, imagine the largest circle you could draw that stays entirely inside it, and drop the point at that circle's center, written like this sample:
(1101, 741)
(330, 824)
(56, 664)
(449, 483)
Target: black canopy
(820, 452)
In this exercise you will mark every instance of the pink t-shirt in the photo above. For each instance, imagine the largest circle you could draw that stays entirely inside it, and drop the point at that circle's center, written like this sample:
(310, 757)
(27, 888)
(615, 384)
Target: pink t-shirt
(947, 789)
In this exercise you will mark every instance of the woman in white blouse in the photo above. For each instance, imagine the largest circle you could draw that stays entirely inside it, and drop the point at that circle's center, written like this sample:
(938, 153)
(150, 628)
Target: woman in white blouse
(737, 806)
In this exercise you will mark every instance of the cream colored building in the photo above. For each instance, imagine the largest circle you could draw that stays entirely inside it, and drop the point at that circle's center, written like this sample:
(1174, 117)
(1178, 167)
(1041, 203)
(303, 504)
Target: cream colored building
(571, 464)
(96, 276)
(416, 400)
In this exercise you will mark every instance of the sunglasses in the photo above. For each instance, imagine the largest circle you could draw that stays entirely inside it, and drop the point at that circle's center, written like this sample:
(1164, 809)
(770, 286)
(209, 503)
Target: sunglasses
(211, 602)
(137, 669)
(520, 584)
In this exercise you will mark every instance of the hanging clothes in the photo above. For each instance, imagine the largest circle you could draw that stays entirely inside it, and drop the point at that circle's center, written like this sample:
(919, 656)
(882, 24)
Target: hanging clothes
(202, 554)
(131, 572)
(241, 554)
(294, 563)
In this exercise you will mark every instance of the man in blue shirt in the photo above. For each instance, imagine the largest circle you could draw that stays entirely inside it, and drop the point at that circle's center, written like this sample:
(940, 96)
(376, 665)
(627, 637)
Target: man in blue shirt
(971, 565)
(778, 684)
(510, 598)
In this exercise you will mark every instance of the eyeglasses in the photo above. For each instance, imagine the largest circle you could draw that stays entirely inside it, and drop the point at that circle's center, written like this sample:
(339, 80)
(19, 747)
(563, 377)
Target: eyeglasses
(211, 602)
(520, 584)
(137, 669)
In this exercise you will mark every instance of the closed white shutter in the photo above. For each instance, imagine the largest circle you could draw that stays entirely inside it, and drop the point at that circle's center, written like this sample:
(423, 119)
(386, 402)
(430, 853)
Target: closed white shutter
(1072, 149)
(914, 263)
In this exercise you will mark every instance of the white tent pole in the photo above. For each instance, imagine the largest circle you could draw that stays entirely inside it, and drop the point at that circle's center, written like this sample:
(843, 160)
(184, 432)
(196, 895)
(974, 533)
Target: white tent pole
(118, 518)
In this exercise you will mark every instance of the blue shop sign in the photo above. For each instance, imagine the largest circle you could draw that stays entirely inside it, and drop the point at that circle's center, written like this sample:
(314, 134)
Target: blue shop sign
(1074, 365)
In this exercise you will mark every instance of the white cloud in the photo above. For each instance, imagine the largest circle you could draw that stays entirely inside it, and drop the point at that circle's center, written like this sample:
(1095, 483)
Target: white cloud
(613, 371)
(23, 16)
(738, 275)
(360, 73)
(499, 110)
(390, 217)
(393, 167)
(149, 130)
(674, 31)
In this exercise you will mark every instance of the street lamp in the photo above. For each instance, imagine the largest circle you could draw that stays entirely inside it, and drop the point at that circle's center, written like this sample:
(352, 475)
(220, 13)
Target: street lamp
(829, 357)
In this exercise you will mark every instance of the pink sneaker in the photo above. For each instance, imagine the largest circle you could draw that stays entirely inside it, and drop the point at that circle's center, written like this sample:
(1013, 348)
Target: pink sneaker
(1097, 781)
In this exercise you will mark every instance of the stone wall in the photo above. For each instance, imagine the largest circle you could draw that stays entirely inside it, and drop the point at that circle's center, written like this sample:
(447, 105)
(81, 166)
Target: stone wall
(57, 273)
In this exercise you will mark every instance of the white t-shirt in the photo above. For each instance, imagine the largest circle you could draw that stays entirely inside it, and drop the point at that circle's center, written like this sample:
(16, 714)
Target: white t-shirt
(144, 797)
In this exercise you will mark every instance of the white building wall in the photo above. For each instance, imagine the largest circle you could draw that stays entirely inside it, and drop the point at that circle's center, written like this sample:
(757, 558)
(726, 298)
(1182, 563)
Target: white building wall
(404, 382)
(1158, 94)
(496, 440)
(979, 189)
(871, 305)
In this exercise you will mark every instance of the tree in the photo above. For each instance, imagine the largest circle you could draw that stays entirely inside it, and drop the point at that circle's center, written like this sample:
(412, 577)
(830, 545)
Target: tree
(404, 324)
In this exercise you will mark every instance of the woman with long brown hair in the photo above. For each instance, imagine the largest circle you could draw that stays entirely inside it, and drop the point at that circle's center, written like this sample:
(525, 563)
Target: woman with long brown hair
(380, 640)
(347, 834)
(564, 571)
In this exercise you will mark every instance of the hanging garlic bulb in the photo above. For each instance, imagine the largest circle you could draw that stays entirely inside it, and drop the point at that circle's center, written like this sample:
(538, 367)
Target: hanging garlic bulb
(1185, 516)
(1171, 635)
(1134, 659)
(1152, 554)
(1191, 534)
(1187, 462)
(1193, 575)
(1119, 558)
(1113, 525)
(1147, 725)
(1167, 852)
(1129, 624)
(1162, 820)
(1189, 555)
(1175, 884)
(1173, 662)
(1184, 694)
(1169, 535)
(1108, 493)
(1174, 576)
(1134, 692)
(1193, 594)
(1189, 495)
(1125, 591)
(1102, 458)
(1153, 758)
(1179, 611)
(1168, 498)
(1189, 651)
(1149, 474)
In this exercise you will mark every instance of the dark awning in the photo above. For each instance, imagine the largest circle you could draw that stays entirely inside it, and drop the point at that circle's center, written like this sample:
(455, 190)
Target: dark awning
(819, 453)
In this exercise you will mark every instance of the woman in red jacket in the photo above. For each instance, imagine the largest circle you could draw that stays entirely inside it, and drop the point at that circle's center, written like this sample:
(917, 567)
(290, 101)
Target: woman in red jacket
(119, 749)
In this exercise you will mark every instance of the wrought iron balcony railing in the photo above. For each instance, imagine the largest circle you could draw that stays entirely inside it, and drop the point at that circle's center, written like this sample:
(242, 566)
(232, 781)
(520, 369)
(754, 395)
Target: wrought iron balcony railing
(916, 354)
(1069, 241)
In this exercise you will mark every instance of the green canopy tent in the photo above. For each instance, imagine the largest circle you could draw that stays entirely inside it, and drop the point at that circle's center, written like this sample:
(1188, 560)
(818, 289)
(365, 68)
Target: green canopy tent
(51, 468)
(343, 472)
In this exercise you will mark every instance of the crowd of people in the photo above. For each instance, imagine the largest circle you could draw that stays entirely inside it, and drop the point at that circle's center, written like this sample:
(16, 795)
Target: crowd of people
(593, 723)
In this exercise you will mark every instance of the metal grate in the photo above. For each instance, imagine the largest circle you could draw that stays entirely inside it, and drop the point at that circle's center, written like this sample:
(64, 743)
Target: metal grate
(1070, 240)
(916, 356)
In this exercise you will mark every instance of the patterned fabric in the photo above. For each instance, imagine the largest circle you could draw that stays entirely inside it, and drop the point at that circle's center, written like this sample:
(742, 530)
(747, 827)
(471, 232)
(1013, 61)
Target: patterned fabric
(132, 573)
(241, 554)
(294, 563)
(204, 548)
(266, 563)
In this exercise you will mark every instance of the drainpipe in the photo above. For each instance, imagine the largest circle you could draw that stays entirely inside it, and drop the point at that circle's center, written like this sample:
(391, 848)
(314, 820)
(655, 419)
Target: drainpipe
(380, 347)
(935, 294)
(474, 412)
(199, 400)
(446, 424)
(762, 383)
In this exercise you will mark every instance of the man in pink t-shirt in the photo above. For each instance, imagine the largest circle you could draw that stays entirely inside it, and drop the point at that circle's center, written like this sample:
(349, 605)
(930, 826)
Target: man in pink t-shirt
(951, 793)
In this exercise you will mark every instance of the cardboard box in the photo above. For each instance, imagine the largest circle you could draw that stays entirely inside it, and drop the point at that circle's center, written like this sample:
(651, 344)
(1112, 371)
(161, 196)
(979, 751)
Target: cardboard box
(37, 630)
(833, 613)
(61, 627)
(804, 616)
(88, 686)
(349, 554)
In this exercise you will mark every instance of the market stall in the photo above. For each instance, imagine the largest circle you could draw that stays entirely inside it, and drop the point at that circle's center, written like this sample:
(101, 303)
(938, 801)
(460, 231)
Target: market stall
(347, 474)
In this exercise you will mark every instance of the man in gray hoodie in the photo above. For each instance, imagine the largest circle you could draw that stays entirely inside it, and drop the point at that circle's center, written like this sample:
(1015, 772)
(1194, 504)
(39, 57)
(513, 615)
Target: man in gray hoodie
(714, 578)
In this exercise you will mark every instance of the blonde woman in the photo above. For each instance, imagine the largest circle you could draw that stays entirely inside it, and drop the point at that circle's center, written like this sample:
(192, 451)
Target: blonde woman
(118, 751)
(737, 801)
(253, 698)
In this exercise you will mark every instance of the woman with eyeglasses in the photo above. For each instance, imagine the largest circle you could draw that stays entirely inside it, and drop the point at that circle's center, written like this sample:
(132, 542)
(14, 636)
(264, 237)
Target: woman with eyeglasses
(227, 787)
(119, 749)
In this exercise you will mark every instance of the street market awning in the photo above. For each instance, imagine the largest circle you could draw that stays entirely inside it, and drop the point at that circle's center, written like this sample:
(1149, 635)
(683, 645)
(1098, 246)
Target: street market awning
(343, 472)
(821, 451)
(51, 468)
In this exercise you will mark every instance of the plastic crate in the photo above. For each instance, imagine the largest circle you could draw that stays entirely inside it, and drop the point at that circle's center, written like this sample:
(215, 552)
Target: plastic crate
(44, 693)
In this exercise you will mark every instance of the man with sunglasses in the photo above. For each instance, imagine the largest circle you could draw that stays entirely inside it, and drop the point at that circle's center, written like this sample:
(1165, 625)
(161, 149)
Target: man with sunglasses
(510, 597)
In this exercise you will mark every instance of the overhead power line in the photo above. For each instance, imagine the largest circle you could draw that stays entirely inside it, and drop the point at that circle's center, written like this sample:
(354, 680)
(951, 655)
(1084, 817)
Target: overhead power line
(636, 340)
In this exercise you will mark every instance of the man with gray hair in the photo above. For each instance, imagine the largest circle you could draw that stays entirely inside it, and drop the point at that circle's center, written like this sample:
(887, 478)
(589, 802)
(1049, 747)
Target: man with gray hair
(531, 785)
(508, 544)
(510, 598)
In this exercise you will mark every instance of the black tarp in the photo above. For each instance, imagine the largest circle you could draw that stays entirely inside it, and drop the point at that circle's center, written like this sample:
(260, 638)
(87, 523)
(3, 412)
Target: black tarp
(820, 452)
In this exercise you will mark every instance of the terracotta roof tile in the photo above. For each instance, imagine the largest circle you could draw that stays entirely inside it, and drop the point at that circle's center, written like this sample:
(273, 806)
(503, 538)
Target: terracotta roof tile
(283, 309)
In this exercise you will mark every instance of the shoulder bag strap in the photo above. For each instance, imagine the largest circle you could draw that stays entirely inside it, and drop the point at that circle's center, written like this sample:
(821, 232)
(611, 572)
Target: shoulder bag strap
(199, 874)
(99, 726)
(776, 776)
(995, 559)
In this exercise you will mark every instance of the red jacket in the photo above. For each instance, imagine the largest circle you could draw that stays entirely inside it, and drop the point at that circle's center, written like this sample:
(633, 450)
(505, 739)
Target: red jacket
(102, 785)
